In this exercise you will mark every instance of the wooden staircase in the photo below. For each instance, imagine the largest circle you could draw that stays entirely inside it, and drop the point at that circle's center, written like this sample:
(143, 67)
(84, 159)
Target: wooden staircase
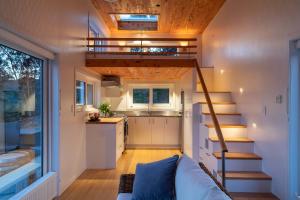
(244, 176)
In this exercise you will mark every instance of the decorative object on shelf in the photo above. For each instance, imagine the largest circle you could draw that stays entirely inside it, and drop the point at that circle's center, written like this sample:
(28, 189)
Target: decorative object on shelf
(94, 117)
(104, 108)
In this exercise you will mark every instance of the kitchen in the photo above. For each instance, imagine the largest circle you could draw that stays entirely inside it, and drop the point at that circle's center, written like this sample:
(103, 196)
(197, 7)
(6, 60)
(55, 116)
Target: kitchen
(133, 114)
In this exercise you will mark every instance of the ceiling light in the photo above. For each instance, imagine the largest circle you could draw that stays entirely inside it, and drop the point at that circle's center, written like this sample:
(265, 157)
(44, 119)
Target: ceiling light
(146, 42)
(184, 44)
(254, 125)
(137, 42)
(122, 43)
(222, 71)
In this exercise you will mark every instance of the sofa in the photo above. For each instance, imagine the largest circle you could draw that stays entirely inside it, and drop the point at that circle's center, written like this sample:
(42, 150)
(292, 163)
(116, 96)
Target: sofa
(193, 181)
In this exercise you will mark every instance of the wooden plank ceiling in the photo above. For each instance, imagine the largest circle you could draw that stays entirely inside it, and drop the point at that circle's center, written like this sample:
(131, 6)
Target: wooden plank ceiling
(175, 16)
(143, 73)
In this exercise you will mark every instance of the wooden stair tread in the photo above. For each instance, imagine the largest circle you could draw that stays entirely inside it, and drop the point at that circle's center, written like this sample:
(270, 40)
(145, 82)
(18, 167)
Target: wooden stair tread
(206, 113)
(232, 139)
(247, 175)
(219, 103)
(252, 196)
(227, 126)
(238, 156)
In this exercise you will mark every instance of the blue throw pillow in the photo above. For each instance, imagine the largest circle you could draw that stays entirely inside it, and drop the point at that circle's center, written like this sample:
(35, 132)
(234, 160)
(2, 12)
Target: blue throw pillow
(155, 181)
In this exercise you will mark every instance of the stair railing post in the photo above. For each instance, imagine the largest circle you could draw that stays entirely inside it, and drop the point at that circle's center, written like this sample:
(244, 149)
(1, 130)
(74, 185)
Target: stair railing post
(223, 169)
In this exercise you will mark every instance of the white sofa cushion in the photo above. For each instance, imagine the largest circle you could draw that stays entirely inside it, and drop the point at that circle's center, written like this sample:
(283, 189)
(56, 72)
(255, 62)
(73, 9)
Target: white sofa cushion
(192, 183)
(124, 196)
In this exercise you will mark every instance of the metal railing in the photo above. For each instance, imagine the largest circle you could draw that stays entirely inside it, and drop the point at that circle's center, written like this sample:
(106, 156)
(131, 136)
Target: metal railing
(142, 46)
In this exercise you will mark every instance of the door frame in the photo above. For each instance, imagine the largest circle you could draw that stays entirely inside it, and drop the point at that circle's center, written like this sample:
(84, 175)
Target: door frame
(294, 120)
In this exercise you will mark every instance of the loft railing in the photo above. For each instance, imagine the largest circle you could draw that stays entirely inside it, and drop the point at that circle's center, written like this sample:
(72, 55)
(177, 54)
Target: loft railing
(215, 122)
(142, 46)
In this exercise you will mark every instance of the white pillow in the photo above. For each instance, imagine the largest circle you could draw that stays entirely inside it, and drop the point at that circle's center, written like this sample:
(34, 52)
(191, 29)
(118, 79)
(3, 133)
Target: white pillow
(192, 183)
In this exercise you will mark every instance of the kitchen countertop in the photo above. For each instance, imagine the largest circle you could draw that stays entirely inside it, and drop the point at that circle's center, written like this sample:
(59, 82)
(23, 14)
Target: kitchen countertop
(154, 116)
(108, 120)
(151, 113)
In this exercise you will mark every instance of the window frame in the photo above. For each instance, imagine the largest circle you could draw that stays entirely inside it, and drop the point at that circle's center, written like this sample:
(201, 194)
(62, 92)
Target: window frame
(84, 103)
(93, 96)
(80, 107)
(151, 105)
(142, 88)
(162, 88)
(46, 164)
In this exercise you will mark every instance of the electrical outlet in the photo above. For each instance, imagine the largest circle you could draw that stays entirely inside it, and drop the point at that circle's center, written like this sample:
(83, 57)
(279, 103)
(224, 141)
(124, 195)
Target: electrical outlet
(265, 110)
(206, 143)
(279, 99)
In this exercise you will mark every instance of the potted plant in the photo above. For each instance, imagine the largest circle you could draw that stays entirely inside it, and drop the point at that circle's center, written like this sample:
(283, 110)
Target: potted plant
(104, 108)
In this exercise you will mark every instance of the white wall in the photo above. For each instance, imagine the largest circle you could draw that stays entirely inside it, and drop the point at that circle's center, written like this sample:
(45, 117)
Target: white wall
(250, 40)
(186, 85)
(60, 27)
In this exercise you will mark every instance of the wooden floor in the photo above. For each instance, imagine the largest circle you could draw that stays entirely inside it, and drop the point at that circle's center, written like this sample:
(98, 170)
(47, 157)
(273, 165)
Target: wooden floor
(253, 196)
(103, 184)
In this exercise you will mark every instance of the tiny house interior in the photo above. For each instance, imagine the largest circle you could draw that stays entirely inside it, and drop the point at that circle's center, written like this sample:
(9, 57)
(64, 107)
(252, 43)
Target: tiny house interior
(152, 100)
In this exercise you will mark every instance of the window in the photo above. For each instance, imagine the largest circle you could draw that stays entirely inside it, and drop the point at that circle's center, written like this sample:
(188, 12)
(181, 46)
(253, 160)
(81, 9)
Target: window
(21, 120)
(140, 96)
(151, 96)
(142, 22)
(80, 93)
(161, 96)
(137, 17)
(90, 94)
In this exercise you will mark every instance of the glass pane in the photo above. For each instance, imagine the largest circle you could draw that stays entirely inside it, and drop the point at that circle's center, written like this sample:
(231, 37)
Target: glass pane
(138, 17)
(141, 96)
(160, 95)
(90, 94)
(80, 92)
(21, 109)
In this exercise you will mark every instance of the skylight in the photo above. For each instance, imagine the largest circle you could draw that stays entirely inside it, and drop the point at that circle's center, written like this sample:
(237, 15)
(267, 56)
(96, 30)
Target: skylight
(138, 17)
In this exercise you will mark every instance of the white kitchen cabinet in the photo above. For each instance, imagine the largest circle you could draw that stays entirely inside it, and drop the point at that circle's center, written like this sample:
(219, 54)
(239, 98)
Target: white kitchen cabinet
(157, 130)
(143, 130)
(139, 130)
(131, 130)
(104, 143)
(153, 131)
(172, 131)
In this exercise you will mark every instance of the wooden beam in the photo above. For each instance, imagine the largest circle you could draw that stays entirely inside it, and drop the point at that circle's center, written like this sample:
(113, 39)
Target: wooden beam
(142, 39)
(137, 25)
(138, 46)
(141, 53)
(140, 62)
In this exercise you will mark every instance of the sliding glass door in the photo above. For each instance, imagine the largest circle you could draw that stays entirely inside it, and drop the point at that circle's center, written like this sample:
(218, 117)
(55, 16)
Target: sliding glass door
(21, 120)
